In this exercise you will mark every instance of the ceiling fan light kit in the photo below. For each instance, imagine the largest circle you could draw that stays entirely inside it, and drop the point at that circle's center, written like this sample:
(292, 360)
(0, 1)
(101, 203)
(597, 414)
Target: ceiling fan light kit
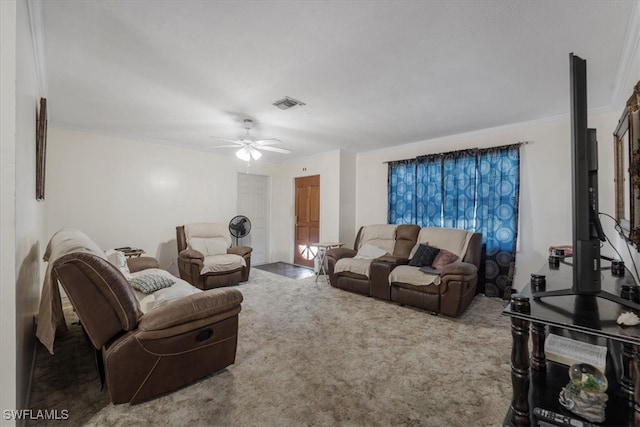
(247, 153)
(249, 148)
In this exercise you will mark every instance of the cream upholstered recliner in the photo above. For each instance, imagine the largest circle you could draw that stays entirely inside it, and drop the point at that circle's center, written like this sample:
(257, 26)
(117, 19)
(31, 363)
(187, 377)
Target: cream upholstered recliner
(206, 258)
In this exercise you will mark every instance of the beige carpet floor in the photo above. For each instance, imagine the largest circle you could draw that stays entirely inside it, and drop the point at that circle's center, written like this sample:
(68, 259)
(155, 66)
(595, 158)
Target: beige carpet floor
(312, 355)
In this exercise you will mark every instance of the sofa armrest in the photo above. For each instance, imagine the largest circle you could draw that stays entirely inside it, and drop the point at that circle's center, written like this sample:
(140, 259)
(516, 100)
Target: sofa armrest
(457, 287)
(240, 250)
(191, 255)
(142, 263)
(339, 253)
(392, 259)
(190, 264)
(379, 275)
(191, 308)
(459, 271)
(333, 256)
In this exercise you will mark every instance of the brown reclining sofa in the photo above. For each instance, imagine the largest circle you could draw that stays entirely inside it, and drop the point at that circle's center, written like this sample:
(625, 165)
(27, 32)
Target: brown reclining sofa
(145, 354)
(389, 277)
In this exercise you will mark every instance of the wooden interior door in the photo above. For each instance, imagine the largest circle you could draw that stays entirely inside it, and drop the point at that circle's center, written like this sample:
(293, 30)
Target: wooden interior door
(307, 219)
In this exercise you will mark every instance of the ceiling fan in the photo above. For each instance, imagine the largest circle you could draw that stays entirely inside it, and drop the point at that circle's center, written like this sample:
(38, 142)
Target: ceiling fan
(249, 148)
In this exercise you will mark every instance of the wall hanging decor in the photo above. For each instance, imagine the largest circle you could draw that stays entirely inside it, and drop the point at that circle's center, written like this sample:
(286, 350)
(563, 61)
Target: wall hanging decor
(626, 139)
(41, 148)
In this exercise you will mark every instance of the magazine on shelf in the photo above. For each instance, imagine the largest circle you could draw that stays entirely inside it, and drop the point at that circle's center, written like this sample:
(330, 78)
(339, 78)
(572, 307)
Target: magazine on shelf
(568, 351)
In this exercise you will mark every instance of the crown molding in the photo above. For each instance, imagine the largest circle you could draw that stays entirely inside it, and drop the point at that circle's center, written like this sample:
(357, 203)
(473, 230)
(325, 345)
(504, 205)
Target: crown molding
(36, 28)
(630, 49)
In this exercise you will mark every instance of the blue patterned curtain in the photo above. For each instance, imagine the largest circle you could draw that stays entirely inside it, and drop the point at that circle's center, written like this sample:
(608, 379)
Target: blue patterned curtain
(459, 189)
(475, 190)
(429, 191)
(497, 214)
(401, 183)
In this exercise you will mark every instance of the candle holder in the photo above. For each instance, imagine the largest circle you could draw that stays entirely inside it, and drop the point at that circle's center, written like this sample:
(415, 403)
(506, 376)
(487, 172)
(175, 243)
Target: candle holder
(617, 268)
(538, 283)
(630, 292)
(559, 253)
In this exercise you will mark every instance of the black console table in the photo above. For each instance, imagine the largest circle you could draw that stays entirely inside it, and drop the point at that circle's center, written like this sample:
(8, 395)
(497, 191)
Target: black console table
(537, 381)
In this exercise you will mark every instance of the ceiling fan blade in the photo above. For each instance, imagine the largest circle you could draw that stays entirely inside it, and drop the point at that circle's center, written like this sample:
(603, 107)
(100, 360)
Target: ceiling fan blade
(225, 146)
(270, 141)
(275, 149)
(235, 141)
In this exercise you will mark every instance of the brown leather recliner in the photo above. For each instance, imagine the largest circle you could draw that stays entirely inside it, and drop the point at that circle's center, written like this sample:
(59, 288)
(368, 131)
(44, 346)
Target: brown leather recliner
(192, 261)
(147, 355)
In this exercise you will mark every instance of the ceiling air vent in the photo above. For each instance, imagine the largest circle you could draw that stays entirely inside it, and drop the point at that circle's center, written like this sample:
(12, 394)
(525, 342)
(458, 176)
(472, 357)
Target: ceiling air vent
(286, 103)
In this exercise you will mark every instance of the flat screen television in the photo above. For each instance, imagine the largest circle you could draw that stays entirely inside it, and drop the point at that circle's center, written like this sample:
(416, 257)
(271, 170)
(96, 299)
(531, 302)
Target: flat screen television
(587, 230)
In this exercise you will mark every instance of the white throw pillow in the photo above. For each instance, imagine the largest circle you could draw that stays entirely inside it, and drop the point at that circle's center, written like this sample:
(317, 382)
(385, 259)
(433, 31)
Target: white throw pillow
(118, 259)
(208, 246)
(370, 252)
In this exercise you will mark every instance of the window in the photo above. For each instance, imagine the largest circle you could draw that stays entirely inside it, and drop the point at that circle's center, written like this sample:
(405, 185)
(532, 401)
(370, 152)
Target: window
(475, 190)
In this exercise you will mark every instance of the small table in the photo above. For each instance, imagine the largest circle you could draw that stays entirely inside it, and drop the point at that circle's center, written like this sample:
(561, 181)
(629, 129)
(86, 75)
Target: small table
(326, 246)
(130, 253)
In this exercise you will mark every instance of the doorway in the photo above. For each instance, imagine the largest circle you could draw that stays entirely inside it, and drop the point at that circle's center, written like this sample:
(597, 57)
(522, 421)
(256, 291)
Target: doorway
(253, 202)
(307, 219)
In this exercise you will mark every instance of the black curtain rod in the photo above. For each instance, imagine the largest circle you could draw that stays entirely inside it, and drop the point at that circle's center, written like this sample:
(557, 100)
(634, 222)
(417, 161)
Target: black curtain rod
(457, 151)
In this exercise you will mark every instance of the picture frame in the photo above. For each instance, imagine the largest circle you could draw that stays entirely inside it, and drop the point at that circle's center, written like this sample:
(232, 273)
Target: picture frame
(41, 148)
(621, 166)
(626, 139)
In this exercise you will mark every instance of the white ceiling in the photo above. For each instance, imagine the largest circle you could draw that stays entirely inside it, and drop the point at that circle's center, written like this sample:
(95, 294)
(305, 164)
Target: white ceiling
(372, 73)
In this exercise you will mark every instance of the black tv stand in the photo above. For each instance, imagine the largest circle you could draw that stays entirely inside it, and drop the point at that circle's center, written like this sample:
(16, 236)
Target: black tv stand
(601, 294)
(537, 381)
(587, 317)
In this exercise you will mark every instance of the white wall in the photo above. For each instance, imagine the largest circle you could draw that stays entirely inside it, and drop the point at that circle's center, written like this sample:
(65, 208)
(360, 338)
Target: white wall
(29, 225)
(8, 397)
(545, 180)
(21, 223)
(347, 199)
(327, 165)
(129, 193)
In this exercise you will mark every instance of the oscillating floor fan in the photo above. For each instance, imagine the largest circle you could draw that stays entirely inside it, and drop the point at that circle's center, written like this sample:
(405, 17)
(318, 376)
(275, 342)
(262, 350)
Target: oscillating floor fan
(239, 227)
